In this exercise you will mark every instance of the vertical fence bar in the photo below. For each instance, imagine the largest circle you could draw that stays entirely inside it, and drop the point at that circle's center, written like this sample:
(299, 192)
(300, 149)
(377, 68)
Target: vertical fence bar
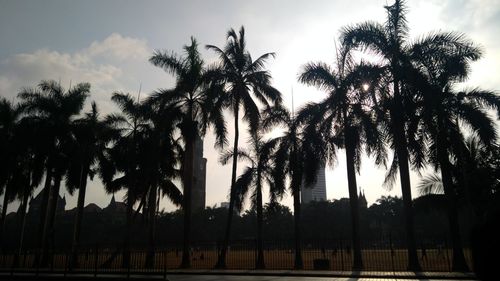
(392, 252)
(65, 264)
(96, 257)
(447, 256)
(165, 258)
(12, 264)
(52, 261)
(256, 250)
(129, 264)
(37, 261)
(341, 255)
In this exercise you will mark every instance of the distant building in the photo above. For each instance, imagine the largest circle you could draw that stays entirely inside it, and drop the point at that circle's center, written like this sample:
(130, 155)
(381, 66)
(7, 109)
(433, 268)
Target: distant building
(36, 204)
(318, 191)
(114, 207)
(198, 193)
(113, 210)
(224, 205)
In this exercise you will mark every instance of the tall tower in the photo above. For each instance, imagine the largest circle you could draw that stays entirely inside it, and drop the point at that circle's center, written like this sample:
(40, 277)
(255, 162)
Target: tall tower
(198, 194)
(318, 191)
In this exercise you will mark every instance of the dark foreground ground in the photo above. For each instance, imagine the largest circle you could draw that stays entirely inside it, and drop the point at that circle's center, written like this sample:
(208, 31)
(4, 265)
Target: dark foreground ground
(253, 276)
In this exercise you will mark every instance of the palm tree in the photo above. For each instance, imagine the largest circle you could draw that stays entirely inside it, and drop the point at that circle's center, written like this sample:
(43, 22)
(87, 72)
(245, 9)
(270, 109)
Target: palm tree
(242, 79)
(390, 41)
(9, 119)
(123, 158)
(27, 172)
(143, 155)
(252, 180)
(90, 136)
(482, 174)
(160, 155)
(53, 108)
(443, 108)
(196, 106)
(297, 157)
(349, 118)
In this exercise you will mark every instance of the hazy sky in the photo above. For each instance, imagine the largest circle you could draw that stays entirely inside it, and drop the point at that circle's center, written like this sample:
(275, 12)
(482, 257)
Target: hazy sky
(108, 43)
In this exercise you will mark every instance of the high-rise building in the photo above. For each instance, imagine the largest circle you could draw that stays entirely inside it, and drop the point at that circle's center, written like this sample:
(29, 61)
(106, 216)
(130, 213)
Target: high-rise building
(317, 192)
(198, 193)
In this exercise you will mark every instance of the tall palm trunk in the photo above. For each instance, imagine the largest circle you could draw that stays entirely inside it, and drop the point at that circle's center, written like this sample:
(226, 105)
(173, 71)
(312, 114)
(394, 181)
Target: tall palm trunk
(221, 262)
(2, 217)
(298, 263)
(188, 188)
(353, 202)
(48, 233)
(150, 257)
(128, 231)
(43, 213)
(79, 216)
(259, 263)
(404, 172)
(24, 207)
(458, 262)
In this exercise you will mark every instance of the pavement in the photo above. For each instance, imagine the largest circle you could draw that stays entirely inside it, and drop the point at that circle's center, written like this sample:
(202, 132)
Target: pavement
(250, 275)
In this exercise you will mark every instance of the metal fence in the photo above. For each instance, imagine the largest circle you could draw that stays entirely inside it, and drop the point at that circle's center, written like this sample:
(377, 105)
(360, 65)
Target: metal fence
(333, 255)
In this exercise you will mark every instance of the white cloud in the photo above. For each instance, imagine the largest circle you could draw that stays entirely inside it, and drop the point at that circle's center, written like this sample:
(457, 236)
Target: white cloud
(119, 47)
(115, 64)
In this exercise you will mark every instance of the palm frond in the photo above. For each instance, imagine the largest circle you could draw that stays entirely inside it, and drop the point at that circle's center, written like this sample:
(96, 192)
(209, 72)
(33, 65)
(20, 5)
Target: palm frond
(228, 155)
(430, 184)
(367, 35)
(320, 75)
(169, 189)
(242, 186)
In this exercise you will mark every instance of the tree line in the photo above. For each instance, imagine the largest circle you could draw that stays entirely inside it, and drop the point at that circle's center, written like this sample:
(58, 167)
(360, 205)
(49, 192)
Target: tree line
(380, 224)
(407, 104)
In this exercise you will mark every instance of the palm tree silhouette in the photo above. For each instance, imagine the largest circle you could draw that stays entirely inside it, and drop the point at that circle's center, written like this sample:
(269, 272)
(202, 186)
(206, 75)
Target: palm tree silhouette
(297, 157)
(28, 168)
(349, 120)
(480, 167)
(252, 180)
(123, 158)
(390, 41)
(90, 137)
(197, 108)
(160, 155)
(53, 108)
(443, 108)
(242, 79)
(9, 120)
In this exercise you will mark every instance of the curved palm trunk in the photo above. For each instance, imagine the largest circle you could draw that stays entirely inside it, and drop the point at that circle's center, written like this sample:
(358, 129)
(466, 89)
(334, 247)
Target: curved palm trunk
(79, 217)
(353, 202)
(128, 231)
(43, 213)
(150, 257)
(259, 263)
(2, 218)
(298, 263)
(404, 172)
(458, 262)
(24, 207)
(188, 187)
(221, 262)
(48, 236)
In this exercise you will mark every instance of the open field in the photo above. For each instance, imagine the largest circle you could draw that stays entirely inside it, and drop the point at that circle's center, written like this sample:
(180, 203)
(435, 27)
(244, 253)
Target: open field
(374, 260)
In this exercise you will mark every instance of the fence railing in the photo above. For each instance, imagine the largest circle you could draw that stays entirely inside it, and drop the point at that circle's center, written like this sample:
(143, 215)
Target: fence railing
(333, 255)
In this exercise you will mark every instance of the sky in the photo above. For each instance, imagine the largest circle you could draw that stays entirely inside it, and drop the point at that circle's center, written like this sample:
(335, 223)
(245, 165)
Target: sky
(108, 43)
